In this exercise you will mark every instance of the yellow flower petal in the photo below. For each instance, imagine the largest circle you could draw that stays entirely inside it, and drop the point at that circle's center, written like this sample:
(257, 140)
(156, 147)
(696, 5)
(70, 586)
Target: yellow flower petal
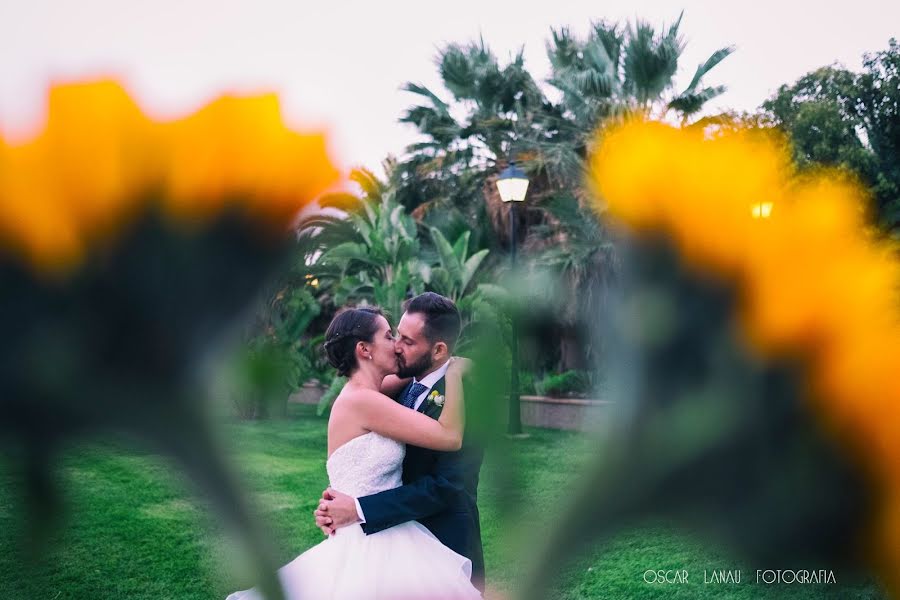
(99, 161)
(815, 281)
(239, 150)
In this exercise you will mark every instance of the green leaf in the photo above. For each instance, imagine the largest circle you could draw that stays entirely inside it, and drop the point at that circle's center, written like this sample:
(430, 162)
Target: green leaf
(363, 228)
(493, 292)
(441, 282)
(342, 254)
(341, 201)
(690, 103)
(704, 68)
(461, 247)
(441, 106)
(471, 267)
(447, 257)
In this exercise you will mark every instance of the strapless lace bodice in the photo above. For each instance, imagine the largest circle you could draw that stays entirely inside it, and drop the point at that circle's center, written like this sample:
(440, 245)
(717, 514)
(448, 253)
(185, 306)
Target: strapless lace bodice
(367, 464)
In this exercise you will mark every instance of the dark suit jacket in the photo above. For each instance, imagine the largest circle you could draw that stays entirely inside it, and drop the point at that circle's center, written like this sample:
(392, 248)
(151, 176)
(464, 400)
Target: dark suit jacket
(440, 491)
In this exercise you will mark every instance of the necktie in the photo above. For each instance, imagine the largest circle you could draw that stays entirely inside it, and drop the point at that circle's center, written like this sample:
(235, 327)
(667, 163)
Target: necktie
(413, 392)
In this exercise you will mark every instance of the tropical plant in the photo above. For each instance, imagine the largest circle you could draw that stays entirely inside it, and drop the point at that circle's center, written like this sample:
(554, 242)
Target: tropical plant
(367, 250)
(445, 172)
(279, 355)
(499, 110)
(577, 246)
(616, 70)
(455, 269)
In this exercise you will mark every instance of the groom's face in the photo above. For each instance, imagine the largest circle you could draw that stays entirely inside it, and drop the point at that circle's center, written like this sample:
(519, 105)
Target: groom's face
(414, 351)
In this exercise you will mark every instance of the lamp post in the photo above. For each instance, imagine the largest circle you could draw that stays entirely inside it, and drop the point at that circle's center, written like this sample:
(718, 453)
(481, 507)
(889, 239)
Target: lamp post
(512, 185)
(761, 210)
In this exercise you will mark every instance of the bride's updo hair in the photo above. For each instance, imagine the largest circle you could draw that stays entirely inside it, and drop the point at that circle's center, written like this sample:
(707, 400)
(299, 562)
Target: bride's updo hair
(349, 327)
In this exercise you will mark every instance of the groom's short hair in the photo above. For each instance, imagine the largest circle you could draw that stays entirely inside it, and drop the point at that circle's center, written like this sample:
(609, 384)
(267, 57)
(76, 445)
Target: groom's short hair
(442, 320)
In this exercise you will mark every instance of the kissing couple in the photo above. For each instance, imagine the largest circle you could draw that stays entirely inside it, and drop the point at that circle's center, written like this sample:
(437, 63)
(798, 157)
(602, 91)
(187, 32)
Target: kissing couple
(400, 512)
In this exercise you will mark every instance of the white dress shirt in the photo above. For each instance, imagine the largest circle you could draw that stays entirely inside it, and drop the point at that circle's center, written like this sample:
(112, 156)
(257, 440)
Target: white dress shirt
(428, 381)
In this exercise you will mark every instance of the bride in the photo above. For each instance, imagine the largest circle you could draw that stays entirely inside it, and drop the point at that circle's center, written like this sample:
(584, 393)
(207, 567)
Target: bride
(367, 433)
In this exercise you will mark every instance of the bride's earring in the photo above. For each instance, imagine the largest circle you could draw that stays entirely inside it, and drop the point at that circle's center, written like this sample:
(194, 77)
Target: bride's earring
(370, 357)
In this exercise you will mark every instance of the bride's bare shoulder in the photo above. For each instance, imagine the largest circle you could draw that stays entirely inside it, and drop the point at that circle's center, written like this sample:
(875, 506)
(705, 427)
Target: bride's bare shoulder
(359, 397)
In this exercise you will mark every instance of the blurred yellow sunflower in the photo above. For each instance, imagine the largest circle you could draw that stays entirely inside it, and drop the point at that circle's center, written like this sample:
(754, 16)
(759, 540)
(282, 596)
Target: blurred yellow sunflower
(99, 159)
(816, 281)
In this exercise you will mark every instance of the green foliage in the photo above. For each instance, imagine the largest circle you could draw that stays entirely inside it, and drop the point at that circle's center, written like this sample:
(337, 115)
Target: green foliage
(620, 69)
(527, 381)
(281, 357)
(839, 118)
(578, 250)
(313, 364)
(496, 110)
(370, 253)
(328, 398)
(259, 377)
(569, 383)
(377, 255)
(455, 268)
(615, 70)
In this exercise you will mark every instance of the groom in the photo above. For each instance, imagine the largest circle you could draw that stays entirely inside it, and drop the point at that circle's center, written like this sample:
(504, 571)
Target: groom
(439, 488)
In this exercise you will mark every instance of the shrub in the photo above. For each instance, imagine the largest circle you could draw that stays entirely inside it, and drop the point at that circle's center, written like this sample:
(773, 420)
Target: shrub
(569, 383)
(527, 382)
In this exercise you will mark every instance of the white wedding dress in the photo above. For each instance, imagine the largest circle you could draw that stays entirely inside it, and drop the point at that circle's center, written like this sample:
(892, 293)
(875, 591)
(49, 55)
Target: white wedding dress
(405, 562)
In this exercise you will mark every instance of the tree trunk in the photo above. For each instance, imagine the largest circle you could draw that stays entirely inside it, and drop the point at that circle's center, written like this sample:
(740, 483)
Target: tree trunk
(571, 352)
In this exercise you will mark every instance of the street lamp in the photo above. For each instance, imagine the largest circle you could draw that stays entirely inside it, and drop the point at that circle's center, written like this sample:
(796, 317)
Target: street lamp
(761, 210)
(512, 185)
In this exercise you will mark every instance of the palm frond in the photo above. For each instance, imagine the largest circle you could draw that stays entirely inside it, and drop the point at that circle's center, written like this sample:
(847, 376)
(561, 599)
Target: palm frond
(610, 35)
(563, 49)
(421, 90)
(339, 200)
(371, 186)
(651, 60)
(702, 69)
(689, 103)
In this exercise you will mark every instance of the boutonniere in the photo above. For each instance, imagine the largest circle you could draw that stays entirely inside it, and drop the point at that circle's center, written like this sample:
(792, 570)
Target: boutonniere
(436, 398)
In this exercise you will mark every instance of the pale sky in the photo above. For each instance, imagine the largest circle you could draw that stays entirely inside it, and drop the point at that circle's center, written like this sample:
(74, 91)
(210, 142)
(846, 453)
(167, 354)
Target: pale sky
(339, 65)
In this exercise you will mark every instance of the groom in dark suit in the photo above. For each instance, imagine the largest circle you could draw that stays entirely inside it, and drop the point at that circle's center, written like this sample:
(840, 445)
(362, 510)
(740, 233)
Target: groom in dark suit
(439, 488)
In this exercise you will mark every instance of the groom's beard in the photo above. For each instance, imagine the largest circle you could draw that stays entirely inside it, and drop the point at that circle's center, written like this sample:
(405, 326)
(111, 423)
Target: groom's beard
(415, 369)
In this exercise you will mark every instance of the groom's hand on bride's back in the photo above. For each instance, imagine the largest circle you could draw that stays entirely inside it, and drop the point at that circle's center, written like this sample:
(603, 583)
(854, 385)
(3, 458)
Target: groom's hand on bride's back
(335, 510)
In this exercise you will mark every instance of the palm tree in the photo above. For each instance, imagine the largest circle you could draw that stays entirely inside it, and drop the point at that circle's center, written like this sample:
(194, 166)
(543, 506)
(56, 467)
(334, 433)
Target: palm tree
(620, 70)
(576, 246)
(501, 111)
(445, 171)
(617, 70)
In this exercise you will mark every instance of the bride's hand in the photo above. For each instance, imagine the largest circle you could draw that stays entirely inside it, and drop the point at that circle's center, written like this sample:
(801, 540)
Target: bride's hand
(459, 366)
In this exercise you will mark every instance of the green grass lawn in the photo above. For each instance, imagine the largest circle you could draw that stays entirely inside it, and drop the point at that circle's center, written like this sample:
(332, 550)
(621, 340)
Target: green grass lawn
(133, 529)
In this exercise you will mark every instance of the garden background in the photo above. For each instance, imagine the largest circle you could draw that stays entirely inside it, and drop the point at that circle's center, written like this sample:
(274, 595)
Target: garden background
(434, 221)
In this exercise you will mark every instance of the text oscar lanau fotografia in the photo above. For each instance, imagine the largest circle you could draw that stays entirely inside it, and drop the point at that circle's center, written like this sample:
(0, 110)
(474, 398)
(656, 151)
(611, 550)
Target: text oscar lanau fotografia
(736, 576)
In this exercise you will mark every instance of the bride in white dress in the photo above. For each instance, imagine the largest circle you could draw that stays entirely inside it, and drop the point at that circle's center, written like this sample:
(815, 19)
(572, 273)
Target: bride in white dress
(367, 433)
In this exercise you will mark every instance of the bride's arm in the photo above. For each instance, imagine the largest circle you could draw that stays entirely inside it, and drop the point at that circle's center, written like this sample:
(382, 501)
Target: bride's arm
(381, 414)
